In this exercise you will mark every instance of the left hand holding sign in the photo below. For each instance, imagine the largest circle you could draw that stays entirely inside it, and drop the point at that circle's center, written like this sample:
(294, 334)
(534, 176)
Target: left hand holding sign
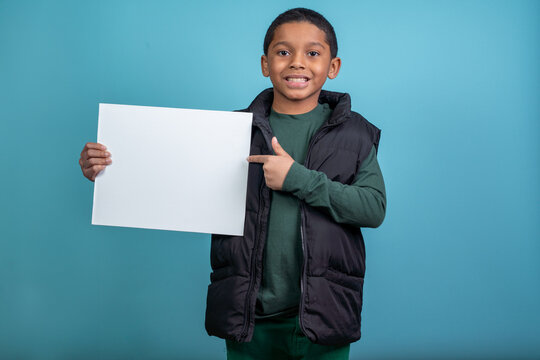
(275, 167)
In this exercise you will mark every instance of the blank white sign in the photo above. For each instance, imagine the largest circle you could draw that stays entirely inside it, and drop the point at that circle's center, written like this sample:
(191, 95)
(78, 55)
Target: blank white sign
(173, 169)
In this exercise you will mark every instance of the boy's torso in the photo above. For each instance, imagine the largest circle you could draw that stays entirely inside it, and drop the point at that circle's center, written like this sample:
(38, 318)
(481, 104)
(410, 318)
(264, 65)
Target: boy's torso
(279, 294)
(334, 269)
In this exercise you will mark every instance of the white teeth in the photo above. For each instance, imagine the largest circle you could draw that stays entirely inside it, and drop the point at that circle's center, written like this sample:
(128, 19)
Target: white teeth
(297, 79)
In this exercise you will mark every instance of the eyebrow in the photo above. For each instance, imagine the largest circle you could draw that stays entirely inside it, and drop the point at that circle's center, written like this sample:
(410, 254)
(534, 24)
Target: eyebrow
(313, 43)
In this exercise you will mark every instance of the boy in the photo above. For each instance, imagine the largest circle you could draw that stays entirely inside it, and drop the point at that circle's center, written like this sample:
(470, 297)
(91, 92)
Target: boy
(291, 287)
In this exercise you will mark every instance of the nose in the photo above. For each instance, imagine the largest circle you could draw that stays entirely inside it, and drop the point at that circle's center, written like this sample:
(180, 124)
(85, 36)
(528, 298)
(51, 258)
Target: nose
(297, 61)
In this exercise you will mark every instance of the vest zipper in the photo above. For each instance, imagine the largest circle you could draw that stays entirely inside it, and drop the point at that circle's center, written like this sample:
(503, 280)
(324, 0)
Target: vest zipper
(253, 270)
(258, 240)
(303, 278)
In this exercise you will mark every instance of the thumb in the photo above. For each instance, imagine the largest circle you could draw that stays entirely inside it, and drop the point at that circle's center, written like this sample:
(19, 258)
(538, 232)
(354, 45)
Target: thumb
(277, 148)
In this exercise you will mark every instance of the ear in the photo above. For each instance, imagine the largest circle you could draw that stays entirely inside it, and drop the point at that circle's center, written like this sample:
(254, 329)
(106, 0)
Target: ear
(335, 65)
(264, 66)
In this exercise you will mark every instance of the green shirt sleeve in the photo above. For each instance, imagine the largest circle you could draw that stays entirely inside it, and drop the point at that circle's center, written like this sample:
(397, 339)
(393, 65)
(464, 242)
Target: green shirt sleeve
(363, 203)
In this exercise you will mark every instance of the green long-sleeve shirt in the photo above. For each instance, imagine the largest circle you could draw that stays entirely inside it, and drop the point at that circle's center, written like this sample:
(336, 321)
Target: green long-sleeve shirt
(361, 204)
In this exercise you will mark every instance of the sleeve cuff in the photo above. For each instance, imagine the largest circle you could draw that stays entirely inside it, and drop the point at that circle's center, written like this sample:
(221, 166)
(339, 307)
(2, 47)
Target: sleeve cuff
(297, 178)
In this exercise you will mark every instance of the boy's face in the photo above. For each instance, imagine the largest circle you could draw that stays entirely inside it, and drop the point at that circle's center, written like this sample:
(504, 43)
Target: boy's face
(298, 63)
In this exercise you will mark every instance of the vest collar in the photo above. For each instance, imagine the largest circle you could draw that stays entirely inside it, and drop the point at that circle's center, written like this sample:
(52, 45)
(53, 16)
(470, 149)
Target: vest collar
(340, 103)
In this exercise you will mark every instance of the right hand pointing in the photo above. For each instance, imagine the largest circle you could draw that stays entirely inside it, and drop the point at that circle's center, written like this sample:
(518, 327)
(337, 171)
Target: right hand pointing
(94, 158)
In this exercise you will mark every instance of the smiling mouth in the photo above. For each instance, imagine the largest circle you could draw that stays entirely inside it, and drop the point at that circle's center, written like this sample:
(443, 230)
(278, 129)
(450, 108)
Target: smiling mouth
(297, 79)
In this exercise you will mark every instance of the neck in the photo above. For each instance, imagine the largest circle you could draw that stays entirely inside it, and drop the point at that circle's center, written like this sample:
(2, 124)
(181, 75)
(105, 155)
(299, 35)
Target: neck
(283, 105)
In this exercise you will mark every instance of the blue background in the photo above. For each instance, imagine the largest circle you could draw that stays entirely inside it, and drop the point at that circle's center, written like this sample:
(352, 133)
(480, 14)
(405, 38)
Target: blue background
(453, 272)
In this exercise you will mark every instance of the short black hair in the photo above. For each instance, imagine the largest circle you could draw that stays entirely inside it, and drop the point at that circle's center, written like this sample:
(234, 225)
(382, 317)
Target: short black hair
(300, 15)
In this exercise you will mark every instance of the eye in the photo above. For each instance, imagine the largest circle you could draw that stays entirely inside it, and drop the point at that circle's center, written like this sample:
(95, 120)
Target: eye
(313, 53)
(283, 53)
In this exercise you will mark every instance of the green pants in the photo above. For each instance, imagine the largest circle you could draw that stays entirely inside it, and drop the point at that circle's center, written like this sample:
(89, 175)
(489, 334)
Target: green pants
(282, 339)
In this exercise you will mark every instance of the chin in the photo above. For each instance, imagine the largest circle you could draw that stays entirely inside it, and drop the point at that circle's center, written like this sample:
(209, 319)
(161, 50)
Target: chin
(299, 96)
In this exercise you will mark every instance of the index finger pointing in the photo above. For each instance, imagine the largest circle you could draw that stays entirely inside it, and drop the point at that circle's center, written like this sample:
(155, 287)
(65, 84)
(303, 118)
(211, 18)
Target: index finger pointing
(258, 158)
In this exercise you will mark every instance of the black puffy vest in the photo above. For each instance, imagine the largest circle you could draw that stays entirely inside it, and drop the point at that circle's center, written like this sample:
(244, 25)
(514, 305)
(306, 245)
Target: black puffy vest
(334, 254)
